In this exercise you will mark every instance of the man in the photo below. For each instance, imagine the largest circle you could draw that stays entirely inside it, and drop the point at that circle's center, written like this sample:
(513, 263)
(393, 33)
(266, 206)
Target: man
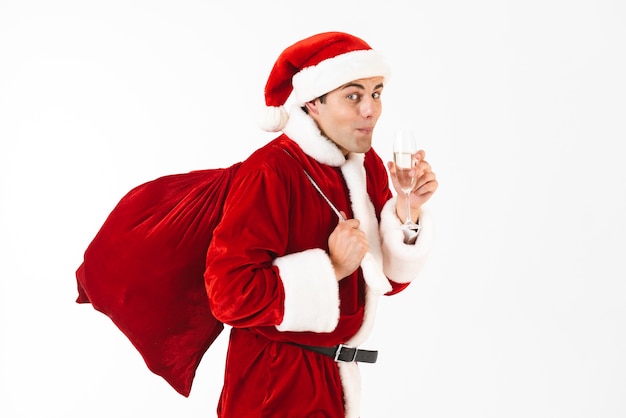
(284, 268)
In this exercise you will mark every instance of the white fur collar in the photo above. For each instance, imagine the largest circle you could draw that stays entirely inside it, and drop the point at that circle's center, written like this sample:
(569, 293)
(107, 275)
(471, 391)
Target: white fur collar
(304, 131)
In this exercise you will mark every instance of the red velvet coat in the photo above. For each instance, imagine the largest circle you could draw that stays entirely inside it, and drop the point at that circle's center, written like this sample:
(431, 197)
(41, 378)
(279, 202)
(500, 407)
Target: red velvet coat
(269, 275)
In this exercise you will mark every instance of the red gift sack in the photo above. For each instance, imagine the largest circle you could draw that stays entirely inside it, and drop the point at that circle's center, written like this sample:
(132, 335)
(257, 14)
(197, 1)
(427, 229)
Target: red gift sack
(144, 269)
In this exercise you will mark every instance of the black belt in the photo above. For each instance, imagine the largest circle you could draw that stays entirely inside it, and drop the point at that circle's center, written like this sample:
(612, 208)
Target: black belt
(344, 354)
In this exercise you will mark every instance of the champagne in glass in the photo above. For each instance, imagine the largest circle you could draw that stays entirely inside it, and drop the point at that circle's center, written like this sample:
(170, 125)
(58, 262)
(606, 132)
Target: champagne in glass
(404, 163)
(404, 149)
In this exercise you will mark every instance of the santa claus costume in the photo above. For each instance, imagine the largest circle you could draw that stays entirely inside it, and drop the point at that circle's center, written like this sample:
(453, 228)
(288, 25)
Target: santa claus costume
(269, 274)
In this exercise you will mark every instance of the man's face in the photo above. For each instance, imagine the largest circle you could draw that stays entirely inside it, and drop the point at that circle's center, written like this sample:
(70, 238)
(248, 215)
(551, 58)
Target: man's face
(349, 114)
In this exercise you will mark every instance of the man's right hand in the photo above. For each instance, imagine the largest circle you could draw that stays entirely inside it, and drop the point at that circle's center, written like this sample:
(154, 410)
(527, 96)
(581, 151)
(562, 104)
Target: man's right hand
(347, 246)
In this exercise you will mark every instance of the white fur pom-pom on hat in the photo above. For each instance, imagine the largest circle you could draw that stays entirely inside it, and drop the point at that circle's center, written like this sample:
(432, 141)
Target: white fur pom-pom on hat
(273, 118)
(313, 67)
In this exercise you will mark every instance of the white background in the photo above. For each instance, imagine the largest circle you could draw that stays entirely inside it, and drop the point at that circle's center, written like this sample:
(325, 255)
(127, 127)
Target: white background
(520, 106)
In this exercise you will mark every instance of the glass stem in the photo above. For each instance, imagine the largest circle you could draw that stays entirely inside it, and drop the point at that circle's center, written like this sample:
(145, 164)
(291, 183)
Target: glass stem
(408, 220)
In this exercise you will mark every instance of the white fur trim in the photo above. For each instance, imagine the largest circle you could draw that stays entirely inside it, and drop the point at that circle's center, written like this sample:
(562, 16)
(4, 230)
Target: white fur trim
(311, 292)
(351, 382)
(403, 262)
(354, 174)
(349, 372)
(302, 129)
(374, 276)
(369, 318)
(314, 81)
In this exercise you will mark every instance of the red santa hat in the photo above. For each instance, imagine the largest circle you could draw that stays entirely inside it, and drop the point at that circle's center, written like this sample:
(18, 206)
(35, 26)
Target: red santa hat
(313, 67)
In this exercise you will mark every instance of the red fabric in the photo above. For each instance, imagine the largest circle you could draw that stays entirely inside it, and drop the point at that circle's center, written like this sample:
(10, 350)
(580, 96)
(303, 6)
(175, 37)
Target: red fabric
(144, 269)
(271, 211)
(277, 380)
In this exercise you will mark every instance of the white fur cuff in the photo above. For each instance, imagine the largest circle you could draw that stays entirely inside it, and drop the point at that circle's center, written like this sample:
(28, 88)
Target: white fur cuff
(311, 292)
(403, 262)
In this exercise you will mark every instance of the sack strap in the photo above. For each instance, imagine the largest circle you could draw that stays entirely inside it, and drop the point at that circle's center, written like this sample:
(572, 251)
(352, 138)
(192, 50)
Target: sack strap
(317, 187)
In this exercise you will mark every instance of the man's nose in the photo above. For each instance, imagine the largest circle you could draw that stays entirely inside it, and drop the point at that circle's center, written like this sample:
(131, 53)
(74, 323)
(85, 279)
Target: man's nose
(370, 107)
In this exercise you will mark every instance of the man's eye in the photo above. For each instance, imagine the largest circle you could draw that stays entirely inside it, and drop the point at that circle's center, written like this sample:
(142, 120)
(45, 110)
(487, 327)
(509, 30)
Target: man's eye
(353, 96)
(376, 95)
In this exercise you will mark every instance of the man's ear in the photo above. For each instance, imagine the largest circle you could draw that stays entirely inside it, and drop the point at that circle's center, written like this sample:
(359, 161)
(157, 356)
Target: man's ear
(313, 106)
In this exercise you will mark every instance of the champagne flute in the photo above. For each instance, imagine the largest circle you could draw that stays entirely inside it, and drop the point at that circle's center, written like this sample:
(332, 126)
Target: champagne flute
(404, 148)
